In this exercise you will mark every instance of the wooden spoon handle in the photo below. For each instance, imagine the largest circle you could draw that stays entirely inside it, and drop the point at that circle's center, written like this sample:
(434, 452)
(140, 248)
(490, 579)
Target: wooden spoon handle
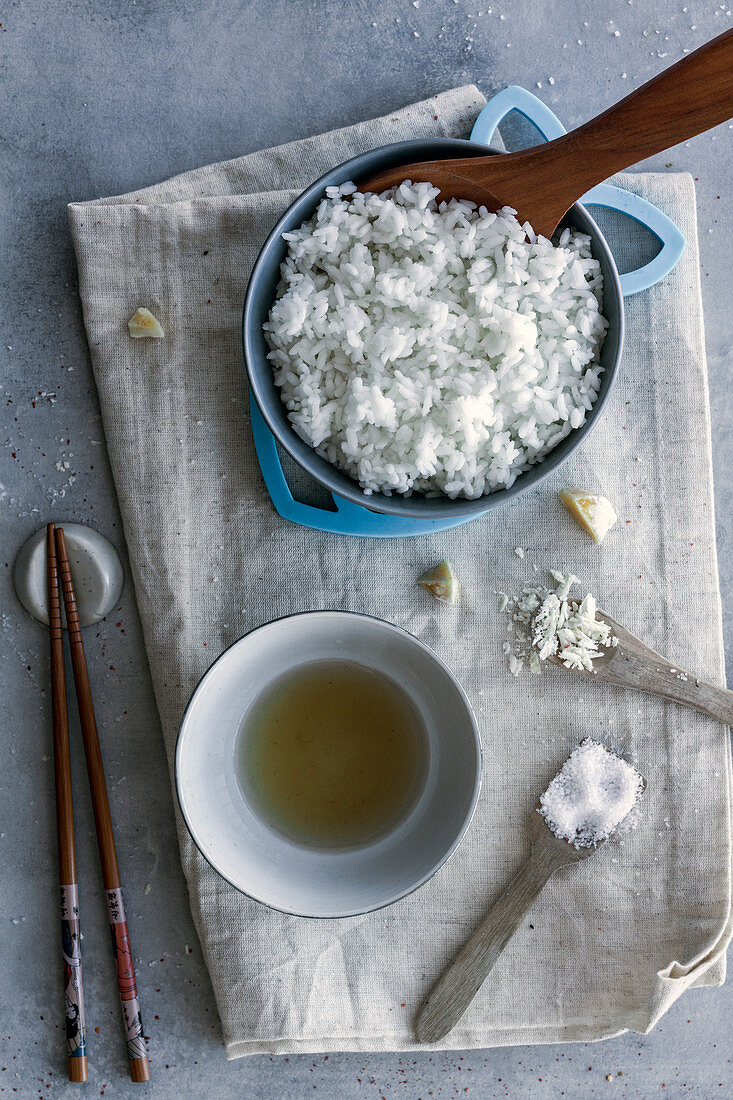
(715, 701)
(645, 670)
(684, 100)
(453, 993)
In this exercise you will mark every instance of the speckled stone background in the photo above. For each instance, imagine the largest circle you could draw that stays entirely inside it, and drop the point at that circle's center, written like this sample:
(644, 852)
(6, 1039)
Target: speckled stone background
(98, 98)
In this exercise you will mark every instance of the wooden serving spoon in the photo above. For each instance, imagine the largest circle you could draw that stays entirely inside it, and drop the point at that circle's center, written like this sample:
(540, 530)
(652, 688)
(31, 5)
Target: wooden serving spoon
(631, 664)
(453, 992)
(542, 183)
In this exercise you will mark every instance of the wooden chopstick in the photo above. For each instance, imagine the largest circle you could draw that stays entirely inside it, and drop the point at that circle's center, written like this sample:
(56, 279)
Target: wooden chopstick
(136, 1052)
(70, 935)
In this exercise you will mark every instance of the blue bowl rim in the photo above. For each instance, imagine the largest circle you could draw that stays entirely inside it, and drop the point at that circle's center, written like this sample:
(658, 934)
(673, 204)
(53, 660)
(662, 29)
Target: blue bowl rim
(420, 506)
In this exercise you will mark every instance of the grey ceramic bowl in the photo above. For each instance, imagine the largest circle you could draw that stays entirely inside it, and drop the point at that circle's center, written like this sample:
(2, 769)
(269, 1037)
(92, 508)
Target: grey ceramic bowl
(261, 293)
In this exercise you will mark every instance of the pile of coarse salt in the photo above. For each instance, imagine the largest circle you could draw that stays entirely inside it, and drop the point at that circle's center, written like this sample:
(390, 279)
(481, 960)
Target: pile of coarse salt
(547, 624)
(591, 795)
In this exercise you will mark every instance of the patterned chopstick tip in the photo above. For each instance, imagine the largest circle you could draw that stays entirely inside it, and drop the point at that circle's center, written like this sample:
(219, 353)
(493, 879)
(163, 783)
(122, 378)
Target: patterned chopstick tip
(73, 987)
(132, 1018)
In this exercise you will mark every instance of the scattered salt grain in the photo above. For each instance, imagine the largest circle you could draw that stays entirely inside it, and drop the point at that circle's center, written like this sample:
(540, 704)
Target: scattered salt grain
(591, 795)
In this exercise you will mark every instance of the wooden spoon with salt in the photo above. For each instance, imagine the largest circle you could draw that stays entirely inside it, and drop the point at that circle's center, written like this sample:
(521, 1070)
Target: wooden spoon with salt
(631, 664)
(543, 182)
(453, 992)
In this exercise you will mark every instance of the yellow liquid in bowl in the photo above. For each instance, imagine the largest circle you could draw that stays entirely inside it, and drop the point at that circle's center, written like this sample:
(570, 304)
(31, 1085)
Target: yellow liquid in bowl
(333, 754)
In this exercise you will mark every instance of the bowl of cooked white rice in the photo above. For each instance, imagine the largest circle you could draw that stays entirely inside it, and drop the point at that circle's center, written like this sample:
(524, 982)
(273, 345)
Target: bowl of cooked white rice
(423, 358)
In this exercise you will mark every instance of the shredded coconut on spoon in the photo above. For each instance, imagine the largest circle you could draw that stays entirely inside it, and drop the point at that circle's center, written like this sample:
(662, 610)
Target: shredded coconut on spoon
(548, 624)
(591, 795)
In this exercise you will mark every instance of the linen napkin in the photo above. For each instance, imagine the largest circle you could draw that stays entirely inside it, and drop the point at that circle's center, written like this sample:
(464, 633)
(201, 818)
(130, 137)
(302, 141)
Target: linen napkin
(611, 943)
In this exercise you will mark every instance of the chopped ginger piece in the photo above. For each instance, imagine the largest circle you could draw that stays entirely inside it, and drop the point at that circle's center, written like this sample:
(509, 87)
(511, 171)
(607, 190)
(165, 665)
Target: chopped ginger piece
(593, 512)
(442, 582)
(145, 324)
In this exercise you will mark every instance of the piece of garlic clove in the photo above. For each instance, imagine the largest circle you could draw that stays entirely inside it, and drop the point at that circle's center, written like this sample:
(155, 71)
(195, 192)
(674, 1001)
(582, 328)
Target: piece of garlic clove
(143, 323)
(442, 582)
(593, 512)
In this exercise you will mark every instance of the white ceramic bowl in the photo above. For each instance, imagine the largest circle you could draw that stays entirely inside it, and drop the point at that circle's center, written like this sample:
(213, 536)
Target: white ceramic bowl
(263, 863)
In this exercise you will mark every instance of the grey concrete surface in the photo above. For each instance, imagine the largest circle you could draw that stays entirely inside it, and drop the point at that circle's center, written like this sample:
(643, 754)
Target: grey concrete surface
(99, 97)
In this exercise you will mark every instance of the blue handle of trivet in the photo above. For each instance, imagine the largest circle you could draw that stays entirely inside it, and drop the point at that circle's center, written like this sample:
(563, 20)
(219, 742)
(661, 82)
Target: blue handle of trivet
(348, 519)
(529, 106)
(666, 232)
(539, 114)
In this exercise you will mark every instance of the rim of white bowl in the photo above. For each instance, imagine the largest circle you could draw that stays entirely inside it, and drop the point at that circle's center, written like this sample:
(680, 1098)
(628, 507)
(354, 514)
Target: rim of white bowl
(478, 777)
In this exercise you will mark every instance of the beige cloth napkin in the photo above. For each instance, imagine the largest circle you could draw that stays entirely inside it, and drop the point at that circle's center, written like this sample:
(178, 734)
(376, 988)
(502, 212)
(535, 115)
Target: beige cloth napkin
(611, 943)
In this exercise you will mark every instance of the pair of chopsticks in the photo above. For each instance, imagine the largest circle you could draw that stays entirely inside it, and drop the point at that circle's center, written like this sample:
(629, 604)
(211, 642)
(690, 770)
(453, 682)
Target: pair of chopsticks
(59, 577)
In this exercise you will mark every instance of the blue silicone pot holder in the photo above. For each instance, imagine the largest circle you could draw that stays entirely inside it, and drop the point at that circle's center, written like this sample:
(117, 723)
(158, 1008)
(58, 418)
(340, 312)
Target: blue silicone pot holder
(352, 519)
